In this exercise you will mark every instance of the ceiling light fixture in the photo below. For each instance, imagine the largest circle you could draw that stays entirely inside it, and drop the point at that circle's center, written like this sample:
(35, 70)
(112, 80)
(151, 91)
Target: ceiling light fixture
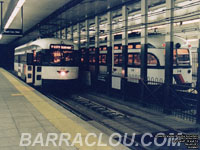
(14, 13)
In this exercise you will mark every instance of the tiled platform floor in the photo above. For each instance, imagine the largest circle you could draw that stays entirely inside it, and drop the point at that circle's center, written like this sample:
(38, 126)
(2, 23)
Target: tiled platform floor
(24, 110)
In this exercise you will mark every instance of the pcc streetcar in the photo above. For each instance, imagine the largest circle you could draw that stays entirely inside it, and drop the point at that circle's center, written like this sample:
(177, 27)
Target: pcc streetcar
(47, 60)
(182, 70)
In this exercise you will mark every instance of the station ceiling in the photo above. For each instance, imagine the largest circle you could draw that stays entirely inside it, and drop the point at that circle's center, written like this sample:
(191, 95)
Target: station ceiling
(34, 12)
(43, 17)
(39, 15)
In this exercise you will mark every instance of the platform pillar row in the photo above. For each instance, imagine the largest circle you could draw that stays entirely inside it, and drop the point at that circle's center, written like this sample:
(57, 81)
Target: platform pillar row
(71, 33)
(124, 51)
(169, 39)
(79, 36)
(86, 58)
(96, 50)
(198, 82)
(79, 46)
(109, 52)
(66, 33)
(144, 46)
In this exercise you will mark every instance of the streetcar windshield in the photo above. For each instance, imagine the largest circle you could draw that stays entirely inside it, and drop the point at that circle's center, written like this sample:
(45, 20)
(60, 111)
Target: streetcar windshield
(59, 57)
(182, 57)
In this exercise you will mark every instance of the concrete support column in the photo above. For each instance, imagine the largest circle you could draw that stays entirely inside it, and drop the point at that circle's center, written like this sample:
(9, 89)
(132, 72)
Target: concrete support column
(66, 33)
(169, 39)
(144, 38)
(61, 34)
(109, 53)
(79, 46)
(72, 33)
(96, 49)
(144, 46)
(86, 58)
(124, 50)
(79, 36)
(198, 80)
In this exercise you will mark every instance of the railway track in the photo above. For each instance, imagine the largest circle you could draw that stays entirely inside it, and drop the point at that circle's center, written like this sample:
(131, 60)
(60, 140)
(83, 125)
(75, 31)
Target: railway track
(116, 119)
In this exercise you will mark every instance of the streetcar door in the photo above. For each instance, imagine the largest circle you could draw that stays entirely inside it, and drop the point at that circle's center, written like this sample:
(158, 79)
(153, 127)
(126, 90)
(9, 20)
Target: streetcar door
(38, 69)
(29, 68)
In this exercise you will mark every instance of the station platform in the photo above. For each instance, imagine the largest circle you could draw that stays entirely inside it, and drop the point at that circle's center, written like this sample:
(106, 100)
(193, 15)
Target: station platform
(25, 110)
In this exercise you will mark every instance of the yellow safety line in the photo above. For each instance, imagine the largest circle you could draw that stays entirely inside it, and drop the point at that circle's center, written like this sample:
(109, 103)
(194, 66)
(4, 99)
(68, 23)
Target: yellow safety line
(16, 95)
(58, 119)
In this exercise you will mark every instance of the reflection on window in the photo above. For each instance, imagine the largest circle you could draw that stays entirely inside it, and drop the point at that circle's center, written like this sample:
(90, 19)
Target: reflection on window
(91, 59)
(64, 57)
(118, 47)
(130, 46)
(130, 59)
(138, 46)
(151, 60)
(99, 59)
(116, 59)
(57, 57)
(103, 59)
(82, 59)
(137, 61)
(181, 57)
(120, 59)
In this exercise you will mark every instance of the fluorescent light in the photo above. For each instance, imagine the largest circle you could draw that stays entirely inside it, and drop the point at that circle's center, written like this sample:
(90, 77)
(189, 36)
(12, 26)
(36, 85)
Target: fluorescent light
(192, 40)
(14, 13)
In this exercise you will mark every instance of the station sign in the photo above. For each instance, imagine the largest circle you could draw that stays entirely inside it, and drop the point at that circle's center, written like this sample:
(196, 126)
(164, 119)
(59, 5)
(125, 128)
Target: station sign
(12, 32)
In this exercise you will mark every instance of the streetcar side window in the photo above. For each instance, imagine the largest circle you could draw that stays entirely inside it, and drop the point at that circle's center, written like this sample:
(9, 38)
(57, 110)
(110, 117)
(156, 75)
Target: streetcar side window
(152, 60)
(103, 48)
(102, 59)
(183, 57)
(118, 47)
(38, 58)
(137, 45)
(16, 58)
(91, 59)
(29, 58)
(137, 60)
(118, 59)
(130, 59)
(22, 59)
